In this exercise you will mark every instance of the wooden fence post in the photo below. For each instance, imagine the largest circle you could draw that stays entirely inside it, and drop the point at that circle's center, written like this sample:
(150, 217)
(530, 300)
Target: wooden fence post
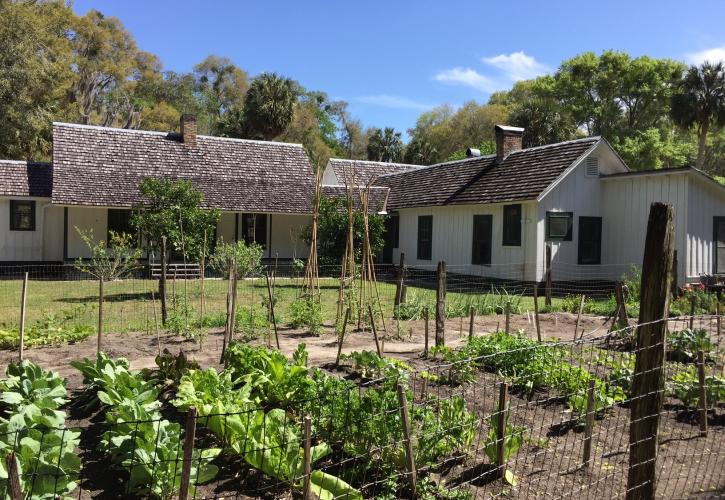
(375, 331)
(589, 424)
(189, 437)
(470, 325)
(693, 300)
(673, 288)
(271, 309)
(342, 335)
(13, 488)
(536, 311)
(426, 317)
(99, 341)
(400, 282)
(407, 442)
(307, 456)
(21, 346)
(578, 316)
(441, 304)
(648, 382)
(621, 304)
(501, 430)
(548, 275)
(507, 311)
(703, 392)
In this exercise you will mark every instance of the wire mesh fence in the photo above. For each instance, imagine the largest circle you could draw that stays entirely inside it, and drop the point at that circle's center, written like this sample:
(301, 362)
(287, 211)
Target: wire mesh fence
(502, 416)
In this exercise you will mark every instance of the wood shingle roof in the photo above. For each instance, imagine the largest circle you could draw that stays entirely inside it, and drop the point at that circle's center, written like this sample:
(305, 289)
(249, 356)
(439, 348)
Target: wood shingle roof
(365, 170)
(25, 179)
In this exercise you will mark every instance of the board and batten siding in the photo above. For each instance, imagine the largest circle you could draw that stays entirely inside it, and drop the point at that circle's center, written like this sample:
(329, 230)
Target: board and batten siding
(24, 246)
(452, 240)
(581, 195)
(626, 211)
(705, 202)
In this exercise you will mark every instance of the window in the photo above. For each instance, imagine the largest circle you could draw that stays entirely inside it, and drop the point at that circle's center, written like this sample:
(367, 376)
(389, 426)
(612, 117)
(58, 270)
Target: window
(590, 240)
(591, 166)
(482, 236)
(512, 225)
(254, 229)
(558, 226)
(425, 237)
(119, 222)
(719, 239)
(22, 215)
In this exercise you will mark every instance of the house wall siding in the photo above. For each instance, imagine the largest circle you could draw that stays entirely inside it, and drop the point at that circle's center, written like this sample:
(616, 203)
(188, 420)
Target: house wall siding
(704, 202)
(284, 235)
(452, 240)
(22, 245)
(85, 218)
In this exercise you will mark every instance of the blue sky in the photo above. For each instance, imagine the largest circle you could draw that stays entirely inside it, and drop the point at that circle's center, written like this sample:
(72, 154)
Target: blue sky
(391, 60)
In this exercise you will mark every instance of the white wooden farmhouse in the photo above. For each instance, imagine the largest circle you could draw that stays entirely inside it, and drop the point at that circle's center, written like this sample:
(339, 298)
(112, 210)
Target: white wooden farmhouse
(494, 215)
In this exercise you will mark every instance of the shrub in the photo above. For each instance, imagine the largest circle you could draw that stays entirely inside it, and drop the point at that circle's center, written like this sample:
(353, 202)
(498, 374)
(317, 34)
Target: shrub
(306, 312)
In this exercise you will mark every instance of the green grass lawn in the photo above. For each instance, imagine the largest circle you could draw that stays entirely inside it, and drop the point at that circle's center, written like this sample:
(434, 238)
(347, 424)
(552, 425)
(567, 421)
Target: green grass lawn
(133, 305)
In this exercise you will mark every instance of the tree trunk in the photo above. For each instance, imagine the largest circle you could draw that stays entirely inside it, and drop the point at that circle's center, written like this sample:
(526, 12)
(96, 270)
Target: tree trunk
(702, 142)
(100, 313)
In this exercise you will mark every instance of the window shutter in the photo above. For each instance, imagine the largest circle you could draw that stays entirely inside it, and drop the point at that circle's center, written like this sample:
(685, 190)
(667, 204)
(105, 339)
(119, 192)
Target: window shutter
(591, 166)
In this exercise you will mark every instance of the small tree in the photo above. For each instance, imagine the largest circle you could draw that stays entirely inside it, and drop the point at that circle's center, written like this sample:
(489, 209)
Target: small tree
(171, 220)
(108, 262)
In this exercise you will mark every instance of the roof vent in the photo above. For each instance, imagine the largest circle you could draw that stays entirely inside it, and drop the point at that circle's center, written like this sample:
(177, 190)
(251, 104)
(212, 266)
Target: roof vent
(508, 140)
(188, 130)
(591, 166)
(472, 152)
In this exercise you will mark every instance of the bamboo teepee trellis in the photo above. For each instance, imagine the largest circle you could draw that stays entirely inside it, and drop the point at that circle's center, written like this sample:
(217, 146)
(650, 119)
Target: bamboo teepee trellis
(347, 274)
(311, 283)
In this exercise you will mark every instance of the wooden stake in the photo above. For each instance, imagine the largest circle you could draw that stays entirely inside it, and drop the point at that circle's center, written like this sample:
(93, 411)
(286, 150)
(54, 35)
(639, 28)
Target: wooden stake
(622, 305)
(548, 275)
(692, 313)
(648, 382)
(400, 281)
(441, 304)
(271, 309)
(229, 324)
(407, 442)
(342, 336)
(501, 431)
(470, 325)
(189, 437)
(13, 481)
(307, 456)
(507, 311)
(100, 315)
(589, 424)
(579, 315)
(375, 330)
(21, 346)
(703, 392)
(426, 317)
(718, 319)
(536, 311)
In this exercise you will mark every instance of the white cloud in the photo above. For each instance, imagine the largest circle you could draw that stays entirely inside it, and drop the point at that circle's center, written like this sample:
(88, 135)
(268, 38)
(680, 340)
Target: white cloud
(714, 54)
(517, 65)
(468, 77)
(393, 101)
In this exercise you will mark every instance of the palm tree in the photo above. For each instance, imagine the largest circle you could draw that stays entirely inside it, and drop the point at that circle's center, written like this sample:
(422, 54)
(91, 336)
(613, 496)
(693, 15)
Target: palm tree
(385, 145)
(269, 106)
(700, 102)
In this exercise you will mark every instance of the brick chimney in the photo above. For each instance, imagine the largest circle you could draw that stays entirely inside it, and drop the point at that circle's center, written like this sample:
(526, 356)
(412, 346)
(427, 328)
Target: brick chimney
(508, 140)
(188, 130)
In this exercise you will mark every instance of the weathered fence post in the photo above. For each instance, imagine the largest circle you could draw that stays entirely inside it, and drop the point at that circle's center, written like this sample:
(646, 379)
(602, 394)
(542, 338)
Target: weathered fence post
(548, 275)
(441, 304)
(507, 311)
(693, 301)
(21, 346)
(189, 437)
(407, 442)
(271, 309)
(589, 426)
(400, 282)
(673, 288)
(426, 317)
(703, 392)
(621, 305)
(536, 311)
(470, 325)
(307, 456)
(13, 488)
(342, 335)
(578, 316)
(501, 430)
(375, 331)
(648, 381)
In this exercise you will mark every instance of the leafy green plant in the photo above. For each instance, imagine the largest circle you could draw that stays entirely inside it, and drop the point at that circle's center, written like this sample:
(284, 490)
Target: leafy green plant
(306, 312)
(169, 369)
(460, 370)
(450, 431)
(371, 366)
(512, 441)
(685, 386)
(684, 344)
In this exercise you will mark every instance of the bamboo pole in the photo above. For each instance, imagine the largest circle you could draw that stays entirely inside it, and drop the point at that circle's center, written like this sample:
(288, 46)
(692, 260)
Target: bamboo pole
(271, 309)
(21, 345)
(501, 430)
(342, 336)
(100, 315)
(307, 457)
(407, 441)
(189, 437)
(589, 426)
(426, 317)
(441, 304)
(375, 331)
(579, 315)
(471, 323)
(702, 404)
(536, 311)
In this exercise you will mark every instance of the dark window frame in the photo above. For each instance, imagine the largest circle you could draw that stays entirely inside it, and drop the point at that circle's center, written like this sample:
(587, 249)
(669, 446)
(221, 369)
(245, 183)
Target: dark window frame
(424, 250)
(15, 218)
(715, 220)
(560, 215)
(259, 226)
(511, 236)
(482, 244)
(128, 229)
(581, 260)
